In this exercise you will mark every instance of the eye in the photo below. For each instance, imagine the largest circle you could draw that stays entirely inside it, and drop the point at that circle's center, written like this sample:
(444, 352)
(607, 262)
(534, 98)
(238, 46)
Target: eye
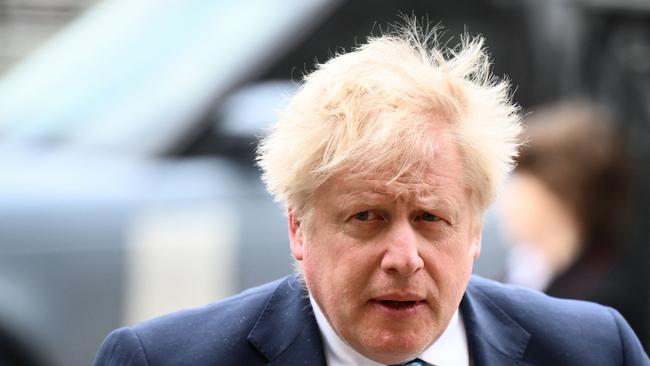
(365, 216)
(426, 216)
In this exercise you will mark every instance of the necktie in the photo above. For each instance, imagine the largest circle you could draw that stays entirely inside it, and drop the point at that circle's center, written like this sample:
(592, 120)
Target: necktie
(416, 362)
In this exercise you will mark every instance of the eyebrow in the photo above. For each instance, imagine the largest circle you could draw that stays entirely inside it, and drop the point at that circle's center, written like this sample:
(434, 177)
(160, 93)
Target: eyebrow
(429, 200)
(437, 201)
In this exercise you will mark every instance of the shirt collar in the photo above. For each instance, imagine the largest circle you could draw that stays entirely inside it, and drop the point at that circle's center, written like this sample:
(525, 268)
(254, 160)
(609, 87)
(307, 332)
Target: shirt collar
(450, 349)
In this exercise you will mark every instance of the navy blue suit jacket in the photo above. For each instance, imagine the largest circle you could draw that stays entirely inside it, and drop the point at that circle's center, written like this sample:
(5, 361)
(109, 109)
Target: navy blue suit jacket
(274, 325)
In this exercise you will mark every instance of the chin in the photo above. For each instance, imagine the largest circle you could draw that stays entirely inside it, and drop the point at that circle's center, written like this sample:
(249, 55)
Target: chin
(391, 348)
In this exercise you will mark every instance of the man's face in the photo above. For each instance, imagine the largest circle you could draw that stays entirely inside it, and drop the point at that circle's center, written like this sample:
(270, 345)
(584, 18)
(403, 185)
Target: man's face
(388, 263)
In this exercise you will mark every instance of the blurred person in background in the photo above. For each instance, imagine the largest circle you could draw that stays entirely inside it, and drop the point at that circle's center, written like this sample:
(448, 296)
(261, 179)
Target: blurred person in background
(386, 160)
(564, 212)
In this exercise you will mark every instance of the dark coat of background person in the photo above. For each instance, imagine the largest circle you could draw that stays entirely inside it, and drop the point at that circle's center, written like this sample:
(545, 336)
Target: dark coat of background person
(274, 325)
(576, 152)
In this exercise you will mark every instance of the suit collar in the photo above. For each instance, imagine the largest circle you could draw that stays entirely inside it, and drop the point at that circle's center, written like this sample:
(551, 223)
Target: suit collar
(286, 332)
(493, 337)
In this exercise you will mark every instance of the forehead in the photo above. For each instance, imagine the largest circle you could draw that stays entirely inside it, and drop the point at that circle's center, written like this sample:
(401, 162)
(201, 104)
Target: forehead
(376, 189)
(436, 177)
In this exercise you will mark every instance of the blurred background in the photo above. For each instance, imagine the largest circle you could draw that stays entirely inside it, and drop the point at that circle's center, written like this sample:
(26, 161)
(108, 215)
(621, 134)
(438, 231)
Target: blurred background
(127, 130)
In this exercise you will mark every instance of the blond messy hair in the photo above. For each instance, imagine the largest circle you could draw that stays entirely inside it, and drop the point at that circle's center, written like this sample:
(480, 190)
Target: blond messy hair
(372, 110)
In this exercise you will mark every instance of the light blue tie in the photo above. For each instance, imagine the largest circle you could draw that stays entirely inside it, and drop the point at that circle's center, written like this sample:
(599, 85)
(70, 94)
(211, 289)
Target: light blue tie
(416, 362)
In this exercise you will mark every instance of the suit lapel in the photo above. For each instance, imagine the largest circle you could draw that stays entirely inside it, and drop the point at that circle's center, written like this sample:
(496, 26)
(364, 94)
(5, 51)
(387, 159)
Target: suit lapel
(286, 332)
(493, 337)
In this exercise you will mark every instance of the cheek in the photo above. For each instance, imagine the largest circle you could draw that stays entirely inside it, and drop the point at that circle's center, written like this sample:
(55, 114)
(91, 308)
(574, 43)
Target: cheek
(450, 262)
(333, 278)
(322, 260)
(339, 266)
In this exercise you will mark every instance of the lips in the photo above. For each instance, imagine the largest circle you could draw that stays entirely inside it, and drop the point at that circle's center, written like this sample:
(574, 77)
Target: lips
(398, 304)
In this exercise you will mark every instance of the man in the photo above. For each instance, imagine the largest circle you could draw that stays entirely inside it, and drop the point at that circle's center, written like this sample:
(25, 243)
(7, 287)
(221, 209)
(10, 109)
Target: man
(386, 159)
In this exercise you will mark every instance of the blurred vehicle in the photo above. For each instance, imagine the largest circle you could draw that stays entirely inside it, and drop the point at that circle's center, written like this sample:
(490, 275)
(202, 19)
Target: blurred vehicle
(91, 243)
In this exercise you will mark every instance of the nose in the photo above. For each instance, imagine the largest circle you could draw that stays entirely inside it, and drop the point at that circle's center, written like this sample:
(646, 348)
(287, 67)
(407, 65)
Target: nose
(401, 255)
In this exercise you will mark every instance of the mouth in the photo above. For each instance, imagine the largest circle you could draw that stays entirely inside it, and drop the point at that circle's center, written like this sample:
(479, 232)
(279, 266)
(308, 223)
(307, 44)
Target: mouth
(398, 305)
(405, 307)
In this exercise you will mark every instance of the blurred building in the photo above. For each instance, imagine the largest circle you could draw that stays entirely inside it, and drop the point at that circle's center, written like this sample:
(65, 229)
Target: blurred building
(27, 24)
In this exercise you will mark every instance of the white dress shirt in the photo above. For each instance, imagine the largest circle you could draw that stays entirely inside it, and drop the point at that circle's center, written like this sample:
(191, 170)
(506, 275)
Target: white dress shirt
(450, 349)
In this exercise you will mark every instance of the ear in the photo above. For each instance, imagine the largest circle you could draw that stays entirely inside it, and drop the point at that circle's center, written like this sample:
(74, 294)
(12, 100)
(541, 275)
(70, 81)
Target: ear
(295, 235)
(476, 243)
